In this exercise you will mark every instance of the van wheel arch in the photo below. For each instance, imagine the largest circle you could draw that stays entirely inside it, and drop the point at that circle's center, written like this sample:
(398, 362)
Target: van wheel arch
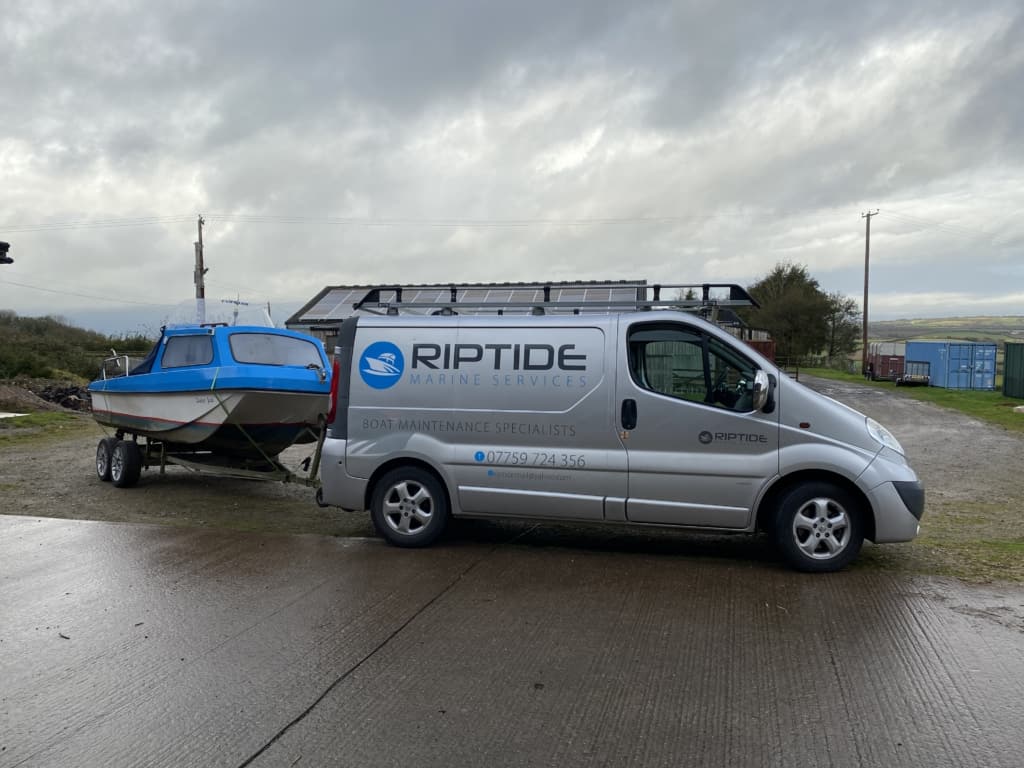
(768, 508)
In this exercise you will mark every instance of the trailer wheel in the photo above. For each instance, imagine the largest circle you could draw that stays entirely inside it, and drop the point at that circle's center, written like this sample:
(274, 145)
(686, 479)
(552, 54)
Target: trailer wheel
(125, 464)
(409, 507)
(818, 528)
(103, 451)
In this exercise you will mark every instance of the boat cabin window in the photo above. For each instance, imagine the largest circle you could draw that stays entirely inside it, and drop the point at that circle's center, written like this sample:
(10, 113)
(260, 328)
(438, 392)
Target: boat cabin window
(271, 349)
(180, 351)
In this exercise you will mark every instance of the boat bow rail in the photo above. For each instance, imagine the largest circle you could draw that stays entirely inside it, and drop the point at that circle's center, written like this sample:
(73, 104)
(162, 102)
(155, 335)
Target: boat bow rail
(117, 366)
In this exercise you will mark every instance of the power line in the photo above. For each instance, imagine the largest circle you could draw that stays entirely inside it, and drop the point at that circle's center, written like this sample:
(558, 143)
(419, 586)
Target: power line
(482, 223)
(96, 224)
(957, 230)
(233, 286)
(85, 295)
(498, 223)
(479, 223)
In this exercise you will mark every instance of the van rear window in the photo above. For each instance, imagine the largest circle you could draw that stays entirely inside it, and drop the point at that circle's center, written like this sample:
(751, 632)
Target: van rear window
(271, 349)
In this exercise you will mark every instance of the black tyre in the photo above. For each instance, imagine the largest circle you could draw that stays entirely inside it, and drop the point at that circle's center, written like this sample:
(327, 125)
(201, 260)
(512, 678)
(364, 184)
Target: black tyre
(125, 464)
(819, 527)
(103, 451)
(409, 507)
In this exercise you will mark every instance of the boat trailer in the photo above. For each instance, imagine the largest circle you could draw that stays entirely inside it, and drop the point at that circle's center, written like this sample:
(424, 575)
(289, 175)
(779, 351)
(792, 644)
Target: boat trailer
(121, 458)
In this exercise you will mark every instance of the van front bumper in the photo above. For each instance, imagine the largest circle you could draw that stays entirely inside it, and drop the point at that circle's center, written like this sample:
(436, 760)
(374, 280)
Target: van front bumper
(912, 494)
(898, 508)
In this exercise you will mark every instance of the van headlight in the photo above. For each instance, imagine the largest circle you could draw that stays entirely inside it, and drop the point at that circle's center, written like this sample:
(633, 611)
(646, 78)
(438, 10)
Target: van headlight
(883, 435)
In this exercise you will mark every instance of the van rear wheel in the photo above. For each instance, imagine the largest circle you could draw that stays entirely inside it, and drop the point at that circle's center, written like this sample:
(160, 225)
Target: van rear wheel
(409, 507)
(818, 527)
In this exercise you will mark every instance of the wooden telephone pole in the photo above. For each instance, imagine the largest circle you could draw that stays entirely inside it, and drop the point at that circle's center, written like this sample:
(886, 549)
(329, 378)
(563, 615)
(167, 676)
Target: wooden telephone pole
(867, 251)
(199, 273)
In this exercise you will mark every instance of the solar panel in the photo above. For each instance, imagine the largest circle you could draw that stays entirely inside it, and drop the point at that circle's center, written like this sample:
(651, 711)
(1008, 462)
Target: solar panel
(334, 303)
(339, 302)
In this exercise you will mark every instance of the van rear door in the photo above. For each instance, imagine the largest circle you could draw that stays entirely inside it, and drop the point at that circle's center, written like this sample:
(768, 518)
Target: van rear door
(698, 453)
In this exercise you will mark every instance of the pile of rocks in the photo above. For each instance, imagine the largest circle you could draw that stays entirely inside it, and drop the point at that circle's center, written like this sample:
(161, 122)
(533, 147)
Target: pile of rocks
(31, 395)
(70, 396)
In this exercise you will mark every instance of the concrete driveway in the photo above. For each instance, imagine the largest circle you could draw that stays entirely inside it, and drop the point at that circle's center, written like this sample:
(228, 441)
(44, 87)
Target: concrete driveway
(139, 645)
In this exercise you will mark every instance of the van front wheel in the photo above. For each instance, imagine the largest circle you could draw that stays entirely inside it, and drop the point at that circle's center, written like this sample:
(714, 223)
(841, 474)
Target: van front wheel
(409, 507)
(818, 528)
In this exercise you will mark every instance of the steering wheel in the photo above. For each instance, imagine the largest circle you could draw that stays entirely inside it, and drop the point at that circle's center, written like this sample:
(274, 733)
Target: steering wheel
(724, 394)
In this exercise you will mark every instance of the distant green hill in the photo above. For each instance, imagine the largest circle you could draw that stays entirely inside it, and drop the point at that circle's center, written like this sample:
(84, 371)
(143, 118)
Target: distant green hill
(981, 328)
(49, 348)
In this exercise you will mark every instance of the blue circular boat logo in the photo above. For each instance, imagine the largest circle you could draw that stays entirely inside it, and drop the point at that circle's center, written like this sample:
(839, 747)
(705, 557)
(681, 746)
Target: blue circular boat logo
(381, 365)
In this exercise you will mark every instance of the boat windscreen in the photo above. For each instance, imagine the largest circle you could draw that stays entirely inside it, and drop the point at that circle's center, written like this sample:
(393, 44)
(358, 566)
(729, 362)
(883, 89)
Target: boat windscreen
(272, 349)
(146, 365)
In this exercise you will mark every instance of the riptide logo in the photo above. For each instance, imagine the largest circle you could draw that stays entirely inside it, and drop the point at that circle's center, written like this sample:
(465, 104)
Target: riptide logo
(381, 365)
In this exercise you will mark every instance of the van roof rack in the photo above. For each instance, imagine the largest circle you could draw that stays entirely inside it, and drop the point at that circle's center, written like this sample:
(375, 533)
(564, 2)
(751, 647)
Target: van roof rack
(553, 298)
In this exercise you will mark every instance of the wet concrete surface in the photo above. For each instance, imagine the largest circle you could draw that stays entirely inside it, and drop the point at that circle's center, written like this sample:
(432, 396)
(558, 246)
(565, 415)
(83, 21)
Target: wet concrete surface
(138, 645)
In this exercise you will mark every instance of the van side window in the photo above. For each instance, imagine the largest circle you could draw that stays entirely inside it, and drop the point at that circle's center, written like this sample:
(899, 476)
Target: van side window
(681, 363)
(180, 351)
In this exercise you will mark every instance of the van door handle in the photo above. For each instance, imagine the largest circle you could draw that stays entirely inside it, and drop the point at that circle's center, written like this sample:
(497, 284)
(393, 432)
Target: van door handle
(629, 414)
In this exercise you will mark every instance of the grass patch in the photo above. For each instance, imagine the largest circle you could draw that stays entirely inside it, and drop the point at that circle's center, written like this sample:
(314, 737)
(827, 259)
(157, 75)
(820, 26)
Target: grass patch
(1012, 547)
(978, 542)
(44, 426)
(990, 407)
(40, 419)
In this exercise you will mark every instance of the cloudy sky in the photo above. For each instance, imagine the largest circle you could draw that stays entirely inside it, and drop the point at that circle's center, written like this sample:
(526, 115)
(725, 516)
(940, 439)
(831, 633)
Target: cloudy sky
(331, 142)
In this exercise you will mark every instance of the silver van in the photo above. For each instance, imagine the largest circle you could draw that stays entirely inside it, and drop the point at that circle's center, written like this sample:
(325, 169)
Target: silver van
(644, 417)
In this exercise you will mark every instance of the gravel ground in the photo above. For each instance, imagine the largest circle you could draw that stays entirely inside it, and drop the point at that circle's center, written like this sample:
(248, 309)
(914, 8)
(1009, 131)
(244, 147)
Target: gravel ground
(974, 487)
(52, 474)
(972, 527)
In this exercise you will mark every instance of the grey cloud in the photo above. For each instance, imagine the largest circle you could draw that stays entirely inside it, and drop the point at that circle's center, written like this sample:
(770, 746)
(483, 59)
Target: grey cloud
(992, 121)
(469, 110)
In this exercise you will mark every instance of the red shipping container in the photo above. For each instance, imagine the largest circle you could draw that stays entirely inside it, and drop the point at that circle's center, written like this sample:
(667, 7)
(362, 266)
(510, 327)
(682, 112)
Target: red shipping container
(888, 367)
(765, 347)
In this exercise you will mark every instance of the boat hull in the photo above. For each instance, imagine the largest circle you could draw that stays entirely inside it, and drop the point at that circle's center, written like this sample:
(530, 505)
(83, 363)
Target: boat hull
(229, 422)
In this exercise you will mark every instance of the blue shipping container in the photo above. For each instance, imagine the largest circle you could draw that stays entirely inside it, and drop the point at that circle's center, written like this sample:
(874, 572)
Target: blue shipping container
(957, 364)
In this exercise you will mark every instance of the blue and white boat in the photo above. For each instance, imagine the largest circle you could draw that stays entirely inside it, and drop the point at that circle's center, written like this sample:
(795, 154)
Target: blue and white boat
(230, 392)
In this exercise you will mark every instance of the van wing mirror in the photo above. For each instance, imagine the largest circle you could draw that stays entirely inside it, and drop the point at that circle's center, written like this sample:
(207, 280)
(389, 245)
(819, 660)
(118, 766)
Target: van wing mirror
(762, 390)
